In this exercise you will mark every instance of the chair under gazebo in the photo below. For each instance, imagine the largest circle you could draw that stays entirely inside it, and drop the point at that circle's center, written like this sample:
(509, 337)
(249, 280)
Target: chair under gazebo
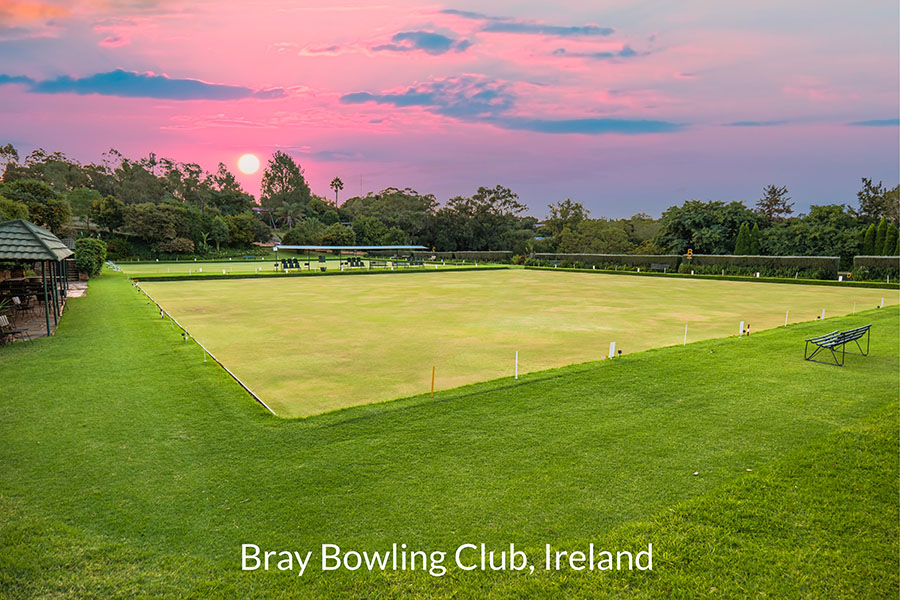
(24, 242)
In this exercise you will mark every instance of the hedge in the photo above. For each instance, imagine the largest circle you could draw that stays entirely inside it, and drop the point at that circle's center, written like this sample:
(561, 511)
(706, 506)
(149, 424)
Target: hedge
(876, 267)
(90, 254)
(811, 267)
(610, 260)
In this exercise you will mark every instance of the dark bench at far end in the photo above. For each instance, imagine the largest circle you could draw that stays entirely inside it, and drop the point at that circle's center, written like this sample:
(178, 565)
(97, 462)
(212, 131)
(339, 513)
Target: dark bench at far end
(659, 267)
(831, 341)
(378, 263)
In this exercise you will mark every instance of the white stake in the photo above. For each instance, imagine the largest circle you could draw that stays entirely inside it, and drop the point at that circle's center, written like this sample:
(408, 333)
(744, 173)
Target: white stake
(685, 334)
(882, 303)
(741, 332)
(823, 313)
(785, 317)
(517, 364)
(612, 349)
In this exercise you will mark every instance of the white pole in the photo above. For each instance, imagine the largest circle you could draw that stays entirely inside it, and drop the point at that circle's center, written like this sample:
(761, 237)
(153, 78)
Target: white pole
(612, 349)
(741, 332)
(823, 313)
(685, 334)
(785, 317)
(517, 364)
(882, 303)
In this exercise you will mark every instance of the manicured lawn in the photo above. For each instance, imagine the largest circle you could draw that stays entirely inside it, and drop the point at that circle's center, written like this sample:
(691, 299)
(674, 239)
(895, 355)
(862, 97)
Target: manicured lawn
(132, 469)
(318, 344)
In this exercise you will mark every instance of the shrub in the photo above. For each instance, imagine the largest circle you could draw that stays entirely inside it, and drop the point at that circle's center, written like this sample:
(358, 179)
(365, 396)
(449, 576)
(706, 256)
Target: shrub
(90, 254)
(179, 245)
(611, 261)
(118, 247)
(876, 267)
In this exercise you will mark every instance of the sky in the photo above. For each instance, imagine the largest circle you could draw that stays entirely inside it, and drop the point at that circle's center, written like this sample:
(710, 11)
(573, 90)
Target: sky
(625, 106)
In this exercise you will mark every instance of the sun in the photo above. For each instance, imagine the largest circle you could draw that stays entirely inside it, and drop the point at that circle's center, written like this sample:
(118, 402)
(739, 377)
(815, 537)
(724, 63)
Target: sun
(248, 164)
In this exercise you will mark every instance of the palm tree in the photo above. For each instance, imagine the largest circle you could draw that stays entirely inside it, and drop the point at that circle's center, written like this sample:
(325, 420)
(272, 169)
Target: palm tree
(289, 213)
(337, 185)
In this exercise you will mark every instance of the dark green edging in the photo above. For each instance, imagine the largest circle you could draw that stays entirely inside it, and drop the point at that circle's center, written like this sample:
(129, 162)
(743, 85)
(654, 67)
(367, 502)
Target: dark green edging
(150, 278)
(861, 284)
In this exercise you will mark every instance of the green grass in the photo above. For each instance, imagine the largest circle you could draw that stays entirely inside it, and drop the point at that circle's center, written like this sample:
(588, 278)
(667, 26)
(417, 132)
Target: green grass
(132, 469)
(318, 344)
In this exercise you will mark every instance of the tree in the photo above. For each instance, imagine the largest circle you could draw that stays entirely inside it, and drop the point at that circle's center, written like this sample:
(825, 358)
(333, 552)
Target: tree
(338, 235)
(308, 231)
(704, 227)
(873, 201)
(890, 240)
(136, 184)
(245, 229)
(177, 245)
(80, 201)
(108, 212)
(154, 223)
(405, 209)
(754, 246)
(742, 243)
(880, 233)
(369, 231)
(774, 205)
(283, 181)
(868, 246)
(289, 213)
(564, 212)
(337, 185)
(10, 209)
(9, 155)
(831, 230)
(395, 237)
(45, 206)
(218, 231)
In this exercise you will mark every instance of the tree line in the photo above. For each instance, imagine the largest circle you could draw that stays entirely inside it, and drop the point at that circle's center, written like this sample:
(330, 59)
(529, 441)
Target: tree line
(156, 206)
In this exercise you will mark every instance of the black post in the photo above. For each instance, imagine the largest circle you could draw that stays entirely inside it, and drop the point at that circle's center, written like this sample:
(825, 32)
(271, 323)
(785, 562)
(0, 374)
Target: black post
(55, 293)
(46, 301)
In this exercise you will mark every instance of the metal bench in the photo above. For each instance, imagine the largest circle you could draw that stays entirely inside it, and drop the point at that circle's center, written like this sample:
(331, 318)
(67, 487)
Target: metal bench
(831, 341)
(659, 267)
(378, 263)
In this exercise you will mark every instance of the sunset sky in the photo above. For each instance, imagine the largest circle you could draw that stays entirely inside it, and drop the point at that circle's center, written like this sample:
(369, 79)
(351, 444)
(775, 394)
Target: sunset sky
(625, 106)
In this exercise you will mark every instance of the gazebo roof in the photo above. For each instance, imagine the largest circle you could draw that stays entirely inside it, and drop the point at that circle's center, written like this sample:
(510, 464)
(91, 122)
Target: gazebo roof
(21, 240)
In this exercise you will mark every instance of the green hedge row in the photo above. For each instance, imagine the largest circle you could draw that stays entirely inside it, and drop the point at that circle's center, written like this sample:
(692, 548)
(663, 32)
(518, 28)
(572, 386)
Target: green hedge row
(879, 268)
(622, 260)
(816, 267)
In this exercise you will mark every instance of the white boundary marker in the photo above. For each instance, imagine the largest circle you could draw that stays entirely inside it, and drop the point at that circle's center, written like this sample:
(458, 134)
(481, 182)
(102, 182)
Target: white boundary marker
(517, 364)
(211, 355)
(685, 334)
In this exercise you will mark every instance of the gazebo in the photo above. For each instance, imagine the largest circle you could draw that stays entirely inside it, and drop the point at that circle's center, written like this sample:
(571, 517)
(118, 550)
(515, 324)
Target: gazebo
(21, 241)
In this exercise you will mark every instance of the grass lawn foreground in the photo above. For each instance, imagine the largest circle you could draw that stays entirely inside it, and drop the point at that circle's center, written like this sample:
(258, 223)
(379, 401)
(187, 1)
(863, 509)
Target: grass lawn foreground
(130, 468)
(312, 345)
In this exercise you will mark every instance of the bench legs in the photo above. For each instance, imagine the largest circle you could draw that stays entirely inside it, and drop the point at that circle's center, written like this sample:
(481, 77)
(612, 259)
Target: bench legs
(834, 355)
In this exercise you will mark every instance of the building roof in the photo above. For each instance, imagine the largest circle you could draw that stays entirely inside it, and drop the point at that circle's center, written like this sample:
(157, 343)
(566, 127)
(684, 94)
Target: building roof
(21, 240)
